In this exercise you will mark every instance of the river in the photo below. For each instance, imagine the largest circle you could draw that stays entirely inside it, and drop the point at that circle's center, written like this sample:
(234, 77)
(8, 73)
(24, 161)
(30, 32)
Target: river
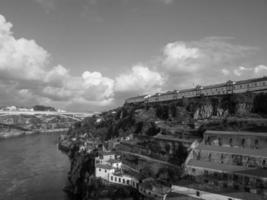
(31, 168)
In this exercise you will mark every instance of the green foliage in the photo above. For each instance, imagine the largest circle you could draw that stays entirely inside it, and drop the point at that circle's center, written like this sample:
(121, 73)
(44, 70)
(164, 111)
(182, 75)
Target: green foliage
(179, 155)
(146, 172)
(43, 108)
(173, 110)
(139, 127)
(260, 103)
(229, 103)
(162, 111)
(168, 175)
(153, 130)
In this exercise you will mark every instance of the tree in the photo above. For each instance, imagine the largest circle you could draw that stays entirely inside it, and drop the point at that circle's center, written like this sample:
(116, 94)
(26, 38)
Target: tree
(179, 155)
(260, 103)
(153, 130)
(173, 110)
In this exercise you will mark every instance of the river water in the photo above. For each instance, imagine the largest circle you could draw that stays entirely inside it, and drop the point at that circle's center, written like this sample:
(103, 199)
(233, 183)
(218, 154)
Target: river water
(31, 168)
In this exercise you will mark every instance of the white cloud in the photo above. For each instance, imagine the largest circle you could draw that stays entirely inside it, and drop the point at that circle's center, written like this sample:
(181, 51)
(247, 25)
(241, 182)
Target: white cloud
(26, 74)
(141, 79)
(101, 87)
(202, 62)
(20, 56)
(225, 71)
(178, 56)
(260, 70)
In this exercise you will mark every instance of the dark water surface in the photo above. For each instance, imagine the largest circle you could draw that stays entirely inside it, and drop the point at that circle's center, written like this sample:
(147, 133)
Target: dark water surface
(31, 168)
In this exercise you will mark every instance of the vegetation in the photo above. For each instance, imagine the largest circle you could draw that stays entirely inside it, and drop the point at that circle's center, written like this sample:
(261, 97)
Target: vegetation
(260, 104)
(43, 108)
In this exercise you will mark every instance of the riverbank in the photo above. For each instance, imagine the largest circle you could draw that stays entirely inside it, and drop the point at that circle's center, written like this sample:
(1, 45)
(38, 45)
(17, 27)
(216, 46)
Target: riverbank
(18, 133)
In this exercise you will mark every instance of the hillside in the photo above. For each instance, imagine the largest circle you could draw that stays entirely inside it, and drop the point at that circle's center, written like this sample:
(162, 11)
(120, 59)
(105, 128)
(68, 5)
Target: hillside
(148, 125)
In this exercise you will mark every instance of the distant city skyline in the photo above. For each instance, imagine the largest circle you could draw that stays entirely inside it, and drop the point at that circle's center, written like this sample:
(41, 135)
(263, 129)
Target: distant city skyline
(81, 55)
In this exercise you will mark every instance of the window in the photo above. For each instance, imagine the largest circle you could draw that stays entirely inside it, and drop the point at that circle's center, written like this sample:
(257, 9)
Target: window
(116, 179)
(119, 179)
(128, 182)
(243, 142)
(99, 169)
(231, 141)
(209, 156)
(123, 180)
(111, 178)
(256, 143)
(105, 171)
(197, 193)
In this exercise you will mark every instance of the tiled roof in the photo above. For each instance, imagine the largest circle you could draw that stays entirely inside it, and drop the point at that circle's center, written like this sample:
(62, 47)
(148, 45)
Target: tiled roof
(251, 80)
(106, 153)
(234, 150)
(244, 133)
(172, 138)
(233, 169)
(214, 86)
(114, 161)
(132, 98)
(103, 166)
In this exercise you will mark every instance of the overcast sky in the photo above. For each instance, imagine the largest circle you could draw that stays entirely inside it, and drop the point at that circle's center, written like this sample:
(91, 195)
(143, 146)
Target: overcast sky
(89, 55)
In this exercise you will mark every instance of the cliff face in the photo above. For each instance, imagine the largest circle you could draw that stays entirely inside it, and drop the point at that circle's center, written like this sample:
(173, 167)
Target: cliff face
(242, 105)
(232, 112)
(85, 186)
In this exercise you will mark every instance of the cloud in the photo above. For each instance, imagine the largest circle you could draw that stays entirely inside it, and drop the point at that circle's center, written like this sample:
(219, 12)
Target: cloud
(97, 86)
(202, 62)
(178, 55)
(261, 70)
(248, 72)
(225, 71)
(140, 80)
(28, 77)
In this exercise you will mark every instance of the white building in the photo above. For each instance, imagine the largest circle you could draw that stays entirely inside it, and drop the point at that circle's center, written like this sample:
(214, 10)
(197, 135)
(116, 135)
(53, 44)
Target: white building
(123, 179)
(103, 171)
(105, 157)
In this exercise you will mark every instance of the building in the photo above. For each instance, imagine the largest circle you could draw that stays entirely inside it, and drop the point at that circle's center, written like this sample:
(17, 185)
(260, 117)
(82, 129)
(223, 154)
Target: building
(123, 179)
(150, 188)
(231, 159)
(255, 85)
(103, 171)
(105, 156)
(110, 169)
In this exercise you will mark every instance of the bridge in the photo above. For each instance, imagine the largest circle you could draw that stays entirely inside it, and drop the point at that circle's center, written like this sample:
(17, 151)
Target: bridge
(72, 115)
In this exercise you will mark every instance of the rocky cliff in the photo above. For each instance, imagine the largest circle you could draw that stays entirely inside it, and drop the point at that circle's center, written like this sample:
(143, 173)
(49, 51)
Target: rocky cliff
(232, 112)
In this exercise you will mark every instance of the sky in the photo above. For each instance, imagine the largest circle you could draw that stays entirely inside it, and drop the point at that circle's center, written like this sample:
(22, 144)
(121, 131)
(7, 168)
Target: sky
(90, 55)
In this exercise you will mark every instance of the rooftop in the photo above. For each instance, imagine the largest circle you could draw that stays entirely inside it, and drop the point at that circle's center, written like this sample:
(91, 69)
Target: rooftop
(172, 138)
(234, 150)
(233, 169)
(153, 185)
(251, 80)
(114, 161)
(107, 153)
(103, 166)
(243, 133)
